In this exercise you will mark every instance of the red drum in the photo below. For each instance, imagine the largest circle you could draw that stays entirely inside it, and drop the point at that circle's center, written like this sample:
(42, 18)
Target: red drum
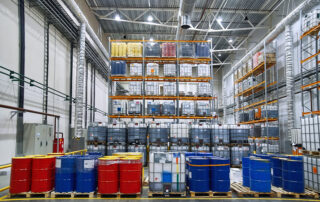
(108, 175)
(130, 175)
(20, 180)
(42, 174)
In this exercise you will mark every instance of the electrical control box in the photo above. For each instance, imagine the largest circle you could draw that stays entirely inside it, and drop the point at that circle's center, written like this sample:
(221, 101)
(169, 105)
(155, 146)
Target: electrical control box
(37, 138)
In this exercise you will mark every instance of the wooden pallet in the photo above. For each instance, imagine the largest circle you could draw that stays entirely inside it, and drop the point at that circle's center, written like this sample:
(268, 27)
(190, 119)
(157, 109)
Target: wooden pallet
(245, 191)
(86, 194)
(311, 153)
(280, 193)
(210, 194)
(115, 195)
(236, 166)
(136, 195)
(62, 194)
(164, 194)
(31, 194)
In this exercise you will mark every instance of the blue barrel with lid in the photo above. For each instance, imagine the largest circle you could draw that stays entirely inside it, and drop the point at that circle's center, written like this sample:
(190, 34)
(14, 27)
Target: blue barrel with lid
(187, 155)
(204, 154)
(246, 171)
(276, 171)
(219, 174)
(86, 173)
(65, 173)
(199, 175)
(292, 176)
(260, 175)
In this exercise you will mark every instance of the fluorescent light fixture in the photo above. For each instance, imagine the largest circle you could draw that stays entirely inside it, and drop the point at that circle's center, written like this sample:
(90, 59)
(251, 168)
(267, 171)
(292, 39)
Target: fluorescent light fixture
(210, 39)
(219, 54)
(150, 18)
(230, 40)
(117, 17)
(151, 39)
(219, 20)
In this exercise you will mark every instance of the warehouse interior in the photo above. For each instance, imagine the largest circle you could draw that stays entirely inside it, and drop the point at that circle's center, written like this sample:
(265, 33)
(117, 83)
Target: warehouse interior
(160, 100)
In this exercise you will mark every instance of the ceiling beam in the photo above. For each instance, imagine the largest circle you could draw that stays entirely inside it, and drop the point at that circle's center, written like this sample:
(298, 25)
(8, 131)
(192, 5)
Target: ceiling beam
(147, 32)
(171, 9)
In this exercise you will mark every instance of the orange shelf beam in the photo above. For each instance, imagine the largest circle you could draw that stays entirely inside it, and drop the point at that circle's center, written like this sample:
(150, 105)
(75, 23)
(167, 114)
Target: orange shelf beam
(255, 71)
(308, 113)
(126, 78)
(309, 85)
(249, 89)
(161, 59)
(312, 31)
(159, 78)
(128, 40)
(256, 104)
(264, 138)
(162, 117)
(259, 121)
(153, 97)
(308, 58)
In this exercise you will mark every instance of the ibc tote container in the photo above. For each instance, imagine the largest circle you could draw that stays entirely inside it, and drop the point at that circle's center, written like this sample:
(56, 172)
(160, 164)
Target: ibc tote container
(134, 49)
(186, 50)
(187, 108)
(200, 133)
(203, 108)
(179, 148)
(118, 68)
(203, 70)
(135, 88)
(186, 70)
(115, 148)
(169, 69)
(220, 134)
(137, 133)
(200, 148)
(97, 148)
(139, 148)
(167, 172)
(134, 107)
(221, 151)
(179, 133)
(135, 69)
(168, 108)
(158, 133)
(270, 131)
(204, 89)
(169, 89)
(239, 134)
(153, 108)
(152, 49)
(152, 69)
(119, 107)
(152, 88)
(202, 50)
(168, 49)
(237, 153)
(97, 132)
(156, 148)
(118, 49)
(117, 133)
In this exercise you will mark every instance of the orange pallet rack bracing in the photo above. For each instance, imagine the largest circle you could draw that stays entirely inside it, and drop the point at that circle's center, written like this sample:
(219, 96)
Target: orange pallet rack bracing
(162, 60)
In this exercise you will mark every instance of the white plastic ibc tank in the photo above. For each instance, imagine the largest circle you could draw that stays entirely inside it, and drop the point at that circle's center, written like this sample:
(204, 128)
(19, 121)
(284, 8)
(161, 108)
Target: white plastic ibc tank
(155, 148)
(203, 70)
(115, 149)
(118, 49)
(119, 107)
(169, 69)
(139, 148)
(203, 108)
(200, 133)
(152, 69)
(187, 108)
(179, 132)
(200, 148)
(135, 69)
(179, 148)
(135, 88)
(134, 107)
(204, 89)
(185, 70)
(169, 89)
(152, 88)
(117, 133)
(134, 49)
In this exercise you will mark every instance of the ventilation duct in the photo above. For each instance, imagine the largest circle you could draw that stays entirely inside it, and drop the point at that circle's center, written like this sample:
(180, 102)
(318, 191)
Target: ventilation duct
(187, 7)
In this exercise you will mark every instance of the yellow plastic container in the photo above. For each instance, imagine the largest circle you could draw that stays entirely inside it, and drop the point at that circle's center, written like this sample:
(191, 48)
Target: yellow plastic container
(118, 49)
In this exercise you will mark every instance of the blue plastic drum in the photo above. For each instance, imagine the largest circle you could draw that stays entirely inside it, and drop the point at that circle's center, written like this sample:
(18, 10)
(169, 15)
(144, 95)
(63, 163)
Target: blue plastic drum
(65, 173)
(292, 176)
(276, 171)
(199, 178)
(246, 171)
(86, 173)
(260, 175)
(219, 174)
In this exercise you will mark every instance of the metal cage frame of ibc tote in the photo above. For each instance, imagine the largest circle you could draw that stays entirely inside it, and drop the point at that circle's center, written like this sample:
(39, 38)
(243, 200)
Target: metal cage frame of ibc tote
(261, 89)
(161, 60)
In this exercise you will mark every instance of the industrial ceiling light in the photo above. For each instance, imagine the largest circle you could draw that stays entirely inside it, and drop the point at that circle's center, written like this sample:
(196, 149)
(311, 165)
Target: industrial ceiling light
(151, 39)
(219, 20)
(219, 54)
(117, 17)
(230, 40)
(246, 18)
(150, 18)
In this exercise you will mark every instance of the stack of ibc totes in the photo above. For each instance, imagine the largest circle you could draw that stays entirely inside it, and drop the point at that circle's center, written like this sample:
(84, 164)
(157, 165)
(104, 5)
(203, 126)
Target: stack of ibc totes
(135, 107)
(135, 88)
(179, 134)
(311, 166)
(159, 134)
(204, 89)
(154, 108)
(202, 50)
(152, 49)
(270, 58)
(185, 70)
(168, 108)
(135, 69)
(311, 20)
(97, 137)
(200, 134)
(169, 88)
(152, 88)
(134, 49)
(167, 172)
(137, 138)
(203, 70)
(203, 108)
(119, 50)
(152, 69)
(310, 133)
(169, 70)
(168, 49)
(221, 151)
(117, 138)
(270, 111)
(200, 148)
(119, 107)
(187, 108)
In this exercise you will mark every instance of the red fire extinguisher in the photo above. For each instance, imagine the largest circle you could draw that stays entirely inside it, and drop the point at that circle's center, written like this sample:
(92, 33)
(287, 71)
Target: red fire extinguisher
(58, 137)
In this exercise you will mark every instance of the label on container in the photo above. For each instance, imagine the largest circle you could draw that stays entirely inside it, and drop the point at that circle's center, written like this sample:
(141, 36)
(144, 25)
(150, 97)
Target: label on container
(58, 163)
(314, 170)
(190, 175)
(88, 164)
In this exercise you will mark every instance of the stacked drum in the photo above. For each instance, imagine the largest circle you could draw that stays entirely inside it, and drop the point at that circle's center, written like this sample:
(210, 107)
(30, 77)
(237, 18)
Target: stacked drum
(43, 168)
(108, 175)
(20, 175)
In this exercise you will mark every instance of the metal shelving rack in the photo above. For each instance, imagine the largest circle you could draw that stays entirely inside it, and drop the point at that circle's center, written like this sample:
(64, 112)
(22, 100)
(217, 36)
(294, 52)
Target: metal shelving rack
(177, 60)
(261, 91)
